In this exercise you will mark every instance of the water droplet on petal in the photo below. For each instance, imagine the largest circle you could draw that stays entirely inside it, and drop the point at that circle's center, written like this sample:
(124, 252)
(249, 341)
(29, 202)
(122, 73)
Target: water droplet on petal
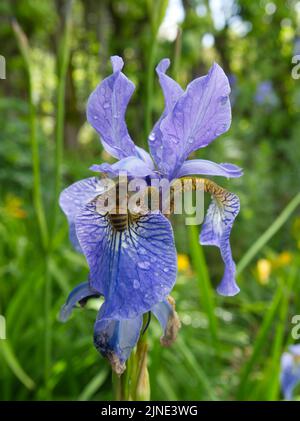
(152, 137)
(136, 284)
(144, 265)
(223, 99)
(175, 140)
(166, 270)
(95, 117)
(220, 130)
(106, 105)
(191, 139)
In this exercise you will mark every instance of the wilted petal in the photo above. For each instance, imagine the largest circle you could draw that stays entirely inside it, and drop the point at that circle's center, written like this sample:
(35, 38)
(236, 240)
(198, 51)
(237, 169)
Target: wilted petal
(216, 232)
(135, 268)
(132, 165)
(204, 167)
(79, 293)
(106, 111)
(74, 197)
(115, 339)
(172, 91)
(168, 319)
(200, 115)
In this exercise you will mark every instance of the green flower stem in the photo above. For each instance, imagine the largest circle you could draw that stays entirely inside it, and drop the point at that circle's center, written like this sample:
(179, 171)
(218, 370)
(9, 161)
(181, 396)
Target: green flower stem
(62, 67)
(37, 195)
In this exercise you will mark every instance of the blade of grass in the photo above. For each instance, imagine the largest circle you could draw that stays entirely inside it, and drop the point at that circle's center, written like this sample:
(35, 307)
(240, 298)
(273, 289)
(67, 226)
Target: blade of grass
(156, 10)
(62, 67)
(165, 383)
(273, 375)
(94, 385)
(207, 293)
(197, 370)
(15, 366)
(37, 195)
(260, 342)
(268, 234)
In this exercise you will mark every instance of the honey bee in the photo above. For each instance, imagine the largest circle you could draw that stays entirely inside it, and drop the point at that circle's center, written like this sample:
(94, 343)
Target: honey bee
(151, 200)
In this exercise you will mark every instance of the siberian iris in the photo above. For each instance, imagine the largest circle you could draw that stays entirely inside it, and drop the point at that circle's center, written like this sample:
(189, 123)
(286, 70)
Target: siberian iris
(290, 371)
(135, 268)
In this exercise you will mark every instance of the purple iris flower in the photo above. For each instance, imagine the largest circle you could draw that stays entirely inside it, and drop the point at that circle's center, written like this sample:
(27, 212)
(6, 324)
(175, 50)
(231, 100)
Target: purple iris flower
(135, 269)
(265, 94)
(290, 371)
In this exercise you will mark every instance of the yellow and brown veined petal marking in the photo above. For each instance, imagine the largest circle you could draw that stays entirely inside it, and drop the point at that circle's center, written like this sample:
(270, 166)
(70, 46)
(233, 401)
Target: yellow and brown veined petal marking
(217, 225)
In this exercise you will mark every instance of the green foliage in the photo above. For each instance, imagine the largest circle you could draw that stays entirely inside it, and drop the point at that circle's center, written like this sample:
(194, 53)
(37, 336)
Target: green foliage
(228, 348)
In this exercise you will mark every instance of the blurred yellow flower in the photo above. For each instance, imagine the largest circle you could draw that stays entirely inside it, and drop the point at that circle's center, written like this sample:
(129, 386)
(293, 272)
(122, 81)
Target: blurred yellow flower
(183, 263)
(264, 268)
(13, 207)
(283, 259)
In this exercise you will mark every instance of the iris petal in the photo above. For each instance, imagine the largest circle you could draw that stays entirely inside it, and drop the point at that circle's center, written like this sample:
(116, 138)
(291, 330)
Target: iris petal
(200, 115)
(290, 371)
(74, 197)
(132, 165)
(106, 111)
(168, 319)
(79, 293)
(172, 91)
(115, 339)
(204, 167)
(135, 268)
(216, 232)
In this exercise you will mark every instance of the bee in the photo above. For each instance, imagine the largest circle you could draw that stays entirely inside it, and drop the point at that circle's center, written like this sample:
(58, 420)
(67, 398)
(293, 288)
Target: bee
(119, 221)
(120, 217)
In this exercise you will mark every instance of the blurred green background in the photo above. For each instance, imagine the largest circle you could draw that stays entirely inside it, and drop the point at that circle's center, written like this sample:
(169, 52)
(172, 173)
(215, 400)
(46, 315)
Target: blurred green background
(228, 348)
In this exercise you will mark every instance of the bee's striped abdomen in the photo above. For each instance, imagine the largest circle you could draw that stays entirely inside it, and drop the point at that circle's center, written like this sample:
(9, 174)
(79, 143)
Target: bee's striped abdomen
(119, 221)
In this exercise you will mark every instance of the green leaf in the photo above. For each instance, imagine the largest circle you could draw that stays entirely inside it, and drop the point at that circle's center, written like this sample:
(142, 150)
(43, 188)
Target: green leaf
(15, 366)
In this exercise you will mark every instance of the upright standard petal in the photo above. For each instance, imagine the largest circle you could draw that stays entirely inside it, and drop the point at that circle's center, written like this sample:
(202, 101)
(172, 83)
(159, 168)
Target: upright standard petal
(79, 294)
(106, 111)
(115, 339)
(204, 167)
(134, 268)
(216, 232)
(200, 115)
(172, 91)
(74, 197)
